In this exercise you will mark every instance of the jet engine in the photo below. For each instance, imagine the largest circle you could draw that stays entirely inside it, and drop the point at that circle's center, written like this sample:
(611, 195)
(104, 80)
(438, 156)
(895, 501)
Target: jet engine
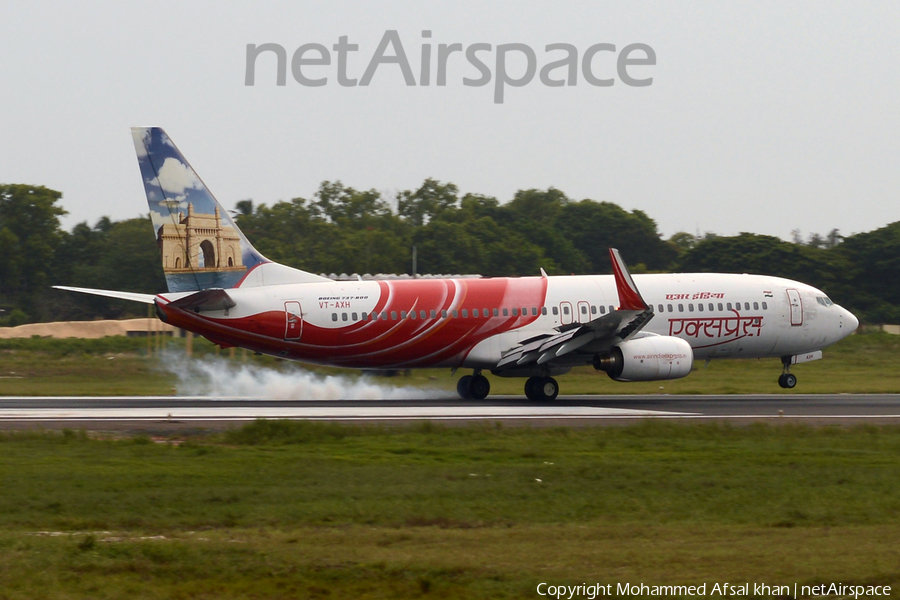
(648, 358)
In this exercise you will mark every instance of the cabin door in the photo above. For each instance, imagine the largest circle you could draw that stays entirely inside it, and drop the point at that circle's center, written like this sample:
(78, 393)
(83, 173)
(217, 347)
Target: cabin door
(293, 326)
(796, 308)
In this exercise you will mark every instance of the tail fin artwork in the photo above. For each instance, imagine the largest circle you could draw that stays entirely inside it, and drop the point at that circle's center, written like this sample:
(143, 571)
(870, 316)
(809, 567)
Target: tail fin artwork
(200, 245)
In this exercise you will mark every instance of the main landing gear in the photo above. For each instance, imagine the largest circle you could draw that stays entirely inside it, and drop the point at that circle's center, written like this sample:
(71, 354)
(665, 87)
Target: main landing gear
(477, 387)
(541, 389)
(786, 379)
(473, 387)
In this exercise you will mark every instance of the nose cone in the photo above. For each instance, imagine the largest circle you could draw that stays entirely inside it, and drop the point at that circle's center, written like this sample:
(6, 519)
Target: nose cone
(847, 322)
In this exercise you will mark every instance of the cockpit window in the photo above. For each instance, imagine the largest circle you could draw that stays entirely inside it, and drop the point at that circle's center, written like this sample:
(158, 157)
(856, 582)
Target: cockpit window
(824, 301)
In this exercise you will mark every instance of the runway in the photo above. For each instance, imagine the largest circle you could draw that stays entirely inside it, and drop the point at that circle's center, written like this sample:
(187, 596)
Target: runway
(179, 411)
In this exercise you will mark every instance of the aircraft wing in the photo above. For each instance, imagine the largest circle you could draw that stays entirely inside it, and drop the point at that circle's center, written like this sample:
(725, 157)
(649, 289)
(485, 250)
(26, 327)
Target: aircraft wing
(594, 336)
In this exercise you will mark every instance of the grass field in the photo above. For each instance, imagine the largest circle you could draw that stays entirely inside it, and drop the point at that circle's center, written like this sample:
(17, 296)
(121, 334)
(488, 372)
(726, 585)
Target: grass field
(307, 510)
(125, 366)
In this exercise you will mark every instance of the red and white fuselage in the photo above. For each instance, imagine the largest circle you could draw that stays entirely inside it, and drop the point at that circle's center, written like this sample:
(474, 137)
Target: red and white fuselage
(471, 322)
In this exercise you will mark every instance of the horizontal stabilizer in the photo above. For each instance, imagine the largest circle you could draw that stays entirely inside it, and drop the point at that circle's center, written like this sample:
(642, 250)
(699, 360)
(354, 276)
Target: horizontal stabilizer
(205, 300)
(133, 296)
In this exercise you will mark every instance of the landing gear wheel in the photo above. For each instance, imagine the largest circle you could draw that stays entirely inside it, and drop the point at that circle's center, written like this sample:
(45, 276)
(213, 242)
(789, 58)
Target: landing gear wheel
(541, 389)
(479, 387)
(549, 389)
(462, 387)
(786, 380)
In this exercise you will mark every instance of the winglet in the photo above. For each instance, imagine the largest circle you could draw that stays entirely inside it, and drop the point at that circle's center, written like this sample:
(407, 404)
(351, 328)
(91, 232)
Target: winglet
(629, 296)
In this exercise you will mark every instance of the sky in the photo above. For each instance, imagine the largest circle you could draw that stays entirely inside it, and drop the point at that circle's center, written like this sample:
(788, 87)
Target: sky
(762, 116)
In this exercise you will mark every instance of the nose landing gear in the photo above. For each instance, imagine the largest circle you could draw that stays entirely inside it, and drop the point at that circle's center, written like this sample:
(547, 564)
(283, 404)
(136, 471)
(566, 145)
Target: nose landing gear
(786, 380)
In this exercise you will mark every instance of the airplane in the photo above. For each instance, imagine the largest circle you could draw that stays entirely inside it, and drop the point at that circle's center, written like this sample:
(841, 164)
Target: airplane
(635, 328)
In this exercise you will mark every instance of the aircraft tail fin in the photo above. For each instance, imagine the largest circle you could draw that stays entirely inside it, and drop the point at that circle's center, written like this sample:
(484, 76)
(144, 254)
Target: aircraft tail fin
(200, 245)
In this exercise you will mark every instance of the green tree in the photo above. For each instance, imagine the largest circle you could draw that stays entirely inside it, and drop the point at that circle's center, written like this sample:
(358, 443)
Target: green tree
(594, 227)
(873, 282)
(767, 255)
(29, 236)
(424, 204)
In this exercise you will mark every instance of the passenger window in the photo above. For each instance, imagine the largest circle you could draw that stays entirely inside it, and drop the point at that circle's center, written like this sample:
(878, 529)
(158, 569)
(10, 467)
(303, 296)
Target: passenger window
(455, 314)
(756, 306)
(422, 314)
(699, 306)
(433, 314)
(765, 306)
(612, 308)
(515, 312)
(593, 310)
(720, 306)
(354, 316)
(393, 315)
(746, 306)
(496, 313)
(384, 315)
(583, 309)
(443, 314)
(475, 312)
(412, 314)
(363, 316)
(691, 307)
(343, 316)
(543, 310)
(565, 310)
(602, 310)
(506, 312)
(669, 307)
(334, 316)
(465, 313)
(681, 308)
(402, 314)
(728, 305)
(660, 307)
(555, 311)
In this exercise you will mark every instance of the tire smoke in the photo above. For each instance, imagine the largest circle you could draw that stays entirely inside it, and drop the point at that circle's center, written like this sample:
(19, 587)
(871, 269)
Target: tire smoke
(221, 378)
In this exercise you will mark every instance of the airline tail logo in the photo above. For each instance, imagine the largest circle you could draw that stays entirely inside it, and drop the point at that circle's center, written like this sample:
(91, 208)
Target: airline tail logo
(200, 246)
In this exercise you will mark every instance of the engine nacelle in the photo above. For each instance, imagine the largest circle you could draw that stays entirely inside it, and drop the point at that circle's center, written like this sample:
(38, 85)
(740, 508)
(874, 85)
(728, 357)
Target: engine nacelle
(648, 358)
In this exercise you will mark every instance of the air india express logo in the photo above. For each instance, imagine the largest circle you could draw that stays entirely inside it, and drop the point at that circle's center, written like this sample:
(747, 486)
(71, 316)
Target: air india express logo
(723, 329)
